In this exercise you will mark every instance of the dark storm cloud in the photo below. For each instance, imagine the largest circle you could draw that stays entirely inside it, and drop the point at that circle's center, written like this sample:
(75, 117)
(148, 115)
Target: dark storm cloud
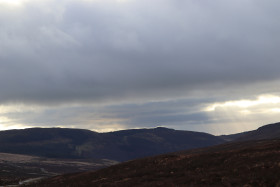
(133, 63)
(96, 50)
(163, 113)
(174, 114)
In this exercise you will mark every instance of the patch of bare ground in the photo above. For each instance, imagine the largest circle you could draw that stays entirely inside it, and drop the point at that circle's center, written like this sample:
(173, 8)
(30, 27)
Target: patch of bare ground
(15, 168)
(248, 164)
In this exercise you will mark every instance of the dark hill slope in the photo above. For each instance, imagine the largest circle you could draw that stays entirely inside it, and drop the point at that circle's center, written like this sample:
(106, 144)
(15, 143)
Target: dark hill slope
(232, 137)
(270, 131)
(254, 163)
(119, 145)
(48, 142)
(147, 142)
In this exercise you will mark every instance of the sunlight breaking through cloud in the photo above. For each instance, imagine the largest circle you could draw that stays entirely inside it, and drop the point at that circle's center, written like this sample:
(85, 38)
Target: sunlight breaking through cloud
(12, 2)
(261, 100)
(243, 115)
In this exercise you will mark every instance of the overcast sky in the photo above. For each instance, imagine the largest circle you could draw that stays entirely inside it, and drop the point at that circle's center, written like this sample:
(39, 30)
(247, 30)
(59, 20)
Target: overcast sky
(210, 66)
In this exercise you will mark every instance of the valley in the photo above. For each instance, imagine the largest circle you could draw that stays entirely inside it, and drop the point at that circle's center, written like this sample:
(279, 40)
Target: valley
(147, 157)
(253, 163)
(17, 168)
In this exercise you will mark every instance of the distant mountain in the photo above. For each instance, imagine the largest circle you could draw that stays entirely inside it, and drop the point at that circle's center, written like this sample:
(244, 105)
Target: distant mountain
(243, 159)
(252, 163)
(120, 145)
(271, 131)
(48, 142)
(232, 137)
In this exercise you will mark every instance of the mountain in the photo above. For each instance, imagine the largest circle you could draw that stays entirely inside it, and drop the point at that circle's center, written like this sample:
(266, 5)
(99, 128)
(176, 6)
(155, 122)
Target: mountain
(47, 142)
(252, 163)
(270, 131)
(232, 137)
(120, 145)
(244, 159)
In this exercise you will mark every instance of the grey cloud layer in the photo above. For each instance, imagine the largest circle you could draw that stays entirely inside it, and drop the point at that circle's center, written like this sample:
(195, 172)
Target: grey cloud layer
(58, 51)
(122, 64)
(174, 114)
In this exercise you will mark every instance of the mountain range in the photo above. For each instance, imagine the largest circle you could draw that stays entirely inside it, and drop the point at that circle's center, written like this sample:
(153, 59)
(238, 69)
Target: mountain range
(249, 159)
(120, 145)
(58, 150)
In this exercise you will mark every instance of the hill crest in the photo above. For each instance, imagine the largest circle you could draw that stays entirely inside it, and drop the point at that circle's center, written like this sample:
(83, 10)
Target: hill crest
(119, 145)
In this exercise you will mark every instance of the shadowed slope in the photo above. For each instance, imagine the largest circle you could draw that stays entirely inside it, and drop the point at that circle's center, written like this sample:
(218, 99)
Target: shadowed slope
(270, 131)
(120, 145)
(255, 163)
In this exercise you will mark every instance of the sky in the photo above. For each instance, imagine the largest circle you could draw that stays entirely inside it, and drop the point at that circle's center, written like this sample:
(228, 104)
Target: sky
(209, 66)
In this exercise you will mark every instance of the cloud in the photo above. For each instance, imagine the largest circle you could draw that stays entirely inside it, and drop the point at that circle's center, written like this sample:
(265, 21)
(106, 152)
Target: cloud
(92, 50)
(173, 113)
(124, 53)
(198, 114)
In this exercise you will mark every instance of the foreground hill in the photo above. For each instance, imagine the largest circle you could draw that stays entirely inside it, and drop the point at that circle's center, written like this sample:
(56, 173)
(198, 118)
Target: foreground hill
(120, 145)
(253, 163)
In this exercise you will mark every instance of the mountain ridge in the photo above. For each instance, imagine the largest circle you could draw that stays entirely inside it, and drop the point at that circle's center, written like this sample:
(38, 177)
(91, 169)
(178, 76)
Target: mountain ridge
(119, 145)
(269, 131)
(228, 164)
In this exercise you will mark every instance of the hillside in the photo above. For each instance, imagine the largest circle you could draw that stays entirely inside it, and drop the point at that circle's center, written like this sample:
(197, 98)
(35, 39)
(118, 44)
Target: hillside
(269, 131)
(59, 151)
(232, 137)
(253, 163)
(120, 145)
(15, 168)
